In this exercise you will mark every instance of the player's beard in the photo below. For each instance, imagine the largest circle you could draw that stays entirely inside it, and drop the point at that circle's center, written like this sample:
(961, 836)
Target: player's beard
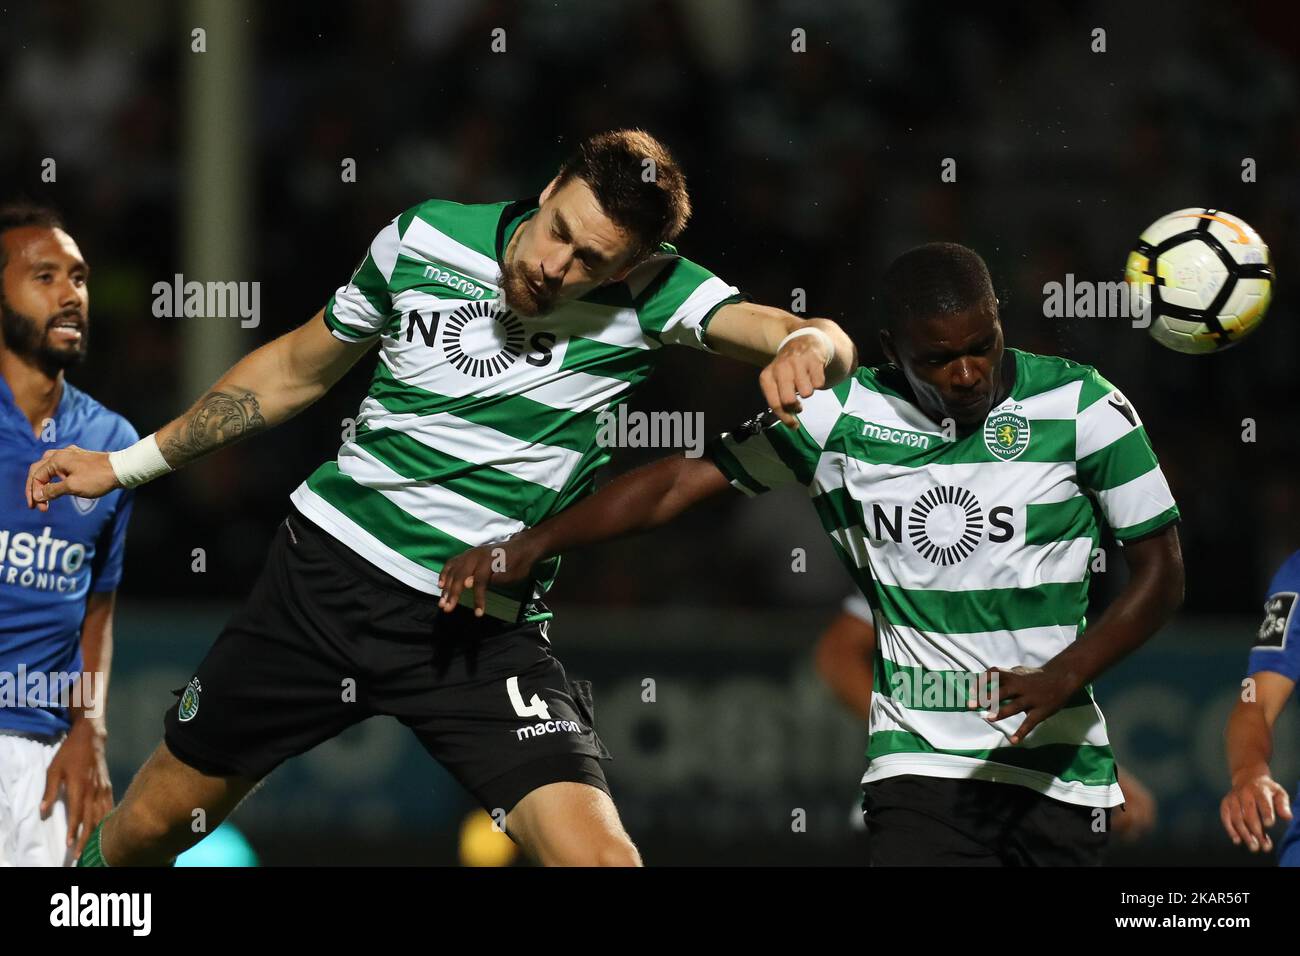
(29, 338)
(520, 295)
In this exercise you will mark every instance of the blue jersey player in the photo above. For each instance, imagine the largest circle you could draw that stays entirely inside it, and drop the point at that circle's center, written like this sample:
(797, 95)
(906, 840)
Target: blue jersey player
(1256, 801)
(59, 569)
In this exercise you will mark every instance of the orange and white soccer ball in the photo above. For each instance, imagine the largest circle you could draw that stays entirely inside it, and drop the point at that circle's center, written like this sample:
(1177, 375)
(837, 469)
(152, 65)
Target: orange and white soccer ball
(1204, 275)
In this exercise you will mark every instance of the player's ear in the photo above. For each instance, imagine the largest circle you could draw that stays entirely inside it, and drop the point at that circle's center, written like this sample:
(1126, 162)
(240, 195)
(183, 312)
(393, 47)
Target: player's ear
(633, 261)
(887, 346)
(633, 257)
(549, 191)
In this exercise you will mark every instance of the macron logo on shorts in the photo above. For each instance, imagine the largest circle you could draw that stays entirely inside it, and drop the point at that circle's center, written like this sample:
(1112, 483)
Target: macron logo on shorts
(536, 707)
(548, 727)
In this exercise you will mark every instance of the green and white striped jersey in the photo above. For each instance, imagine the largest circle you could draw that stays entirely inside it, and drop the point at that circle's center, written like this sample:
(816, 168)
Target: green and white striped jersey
(479, 422)
(973, 553)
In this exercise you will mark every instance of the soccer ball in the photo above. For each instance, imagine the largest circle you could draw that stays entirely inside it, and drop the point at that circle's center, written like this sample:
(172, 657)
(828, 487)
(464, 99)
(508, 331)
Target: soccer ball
(1205, 276)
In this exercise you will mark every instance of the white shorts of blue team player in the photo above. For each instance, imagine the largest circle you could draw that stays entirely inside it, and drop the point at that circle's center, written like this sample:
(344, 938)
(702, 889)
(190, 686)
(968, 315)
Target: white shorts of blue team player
(26, 839)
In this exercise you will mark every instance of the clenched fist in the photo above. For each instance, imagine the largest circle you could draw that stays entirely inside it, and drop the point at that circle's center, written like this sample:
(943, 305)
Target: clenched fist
(796, 372)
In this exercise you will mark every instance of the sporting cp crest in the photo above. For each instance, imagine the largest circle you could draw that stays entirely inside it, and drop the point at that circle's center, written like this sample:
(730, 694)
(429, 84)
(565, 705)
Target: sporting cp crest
(1006, 434)
(190, 700)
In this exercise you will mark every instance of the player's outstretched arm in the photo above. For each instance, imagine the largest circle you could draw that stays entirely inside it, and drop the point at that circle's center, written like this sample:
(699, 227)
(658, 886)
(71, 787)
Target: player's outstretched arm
(1153, 593)
(639, 500)
(264, 388)
(798, 355)
(1255, 801)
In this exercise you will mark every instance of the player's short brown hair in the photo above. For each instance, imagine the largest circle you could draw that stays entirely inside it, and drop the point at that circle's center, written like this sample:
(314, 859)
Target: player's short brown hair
(637, 182)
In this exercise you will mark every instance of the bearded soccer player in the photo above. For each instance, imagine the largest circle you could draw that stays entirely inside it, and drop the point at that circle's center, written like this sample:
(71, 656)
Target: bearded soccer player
(964, 486)
(504, 330)
(59, 570)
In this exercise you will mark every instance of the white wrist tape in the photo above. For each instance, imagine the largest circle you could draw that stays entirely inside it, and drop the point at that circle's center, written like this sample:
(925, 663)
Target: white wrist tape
(825, 340)
(140, 463)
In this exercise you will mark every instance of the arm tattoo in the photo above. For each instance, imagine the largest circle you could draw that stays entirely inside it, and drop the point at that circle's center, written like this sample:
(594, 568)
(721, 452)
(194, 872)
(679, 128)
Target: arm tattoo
(216, 420)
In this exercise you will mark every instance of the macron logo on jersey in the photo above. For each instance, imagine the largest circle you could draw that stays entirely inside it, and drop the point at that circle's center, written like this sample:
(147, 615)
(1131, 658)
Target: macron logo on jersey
(895, 436)
(42, 561)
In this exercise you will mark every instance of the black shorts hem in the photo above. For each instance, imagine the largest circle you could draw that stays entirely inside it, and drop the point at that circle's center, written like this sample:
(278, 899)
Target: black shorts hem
(207, 765)
(917, 820)
(505, 791)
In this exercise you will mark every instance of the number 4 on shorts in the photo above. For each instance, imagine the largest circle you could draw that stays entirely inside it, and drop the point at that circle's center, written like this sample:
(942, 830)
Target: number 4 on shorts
(534, 708)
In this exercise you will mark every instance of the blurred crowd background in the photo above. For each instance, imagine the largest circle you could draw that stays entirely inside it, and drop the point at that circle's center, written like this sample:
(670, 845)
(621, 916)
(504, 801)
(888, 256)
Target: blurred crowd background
(809, 170)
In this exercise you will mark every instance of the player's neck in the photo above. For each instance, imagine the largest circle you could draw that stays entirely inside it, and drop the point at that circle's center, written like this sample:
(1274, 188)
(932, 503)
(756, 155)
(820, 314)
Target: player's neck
(36, 391)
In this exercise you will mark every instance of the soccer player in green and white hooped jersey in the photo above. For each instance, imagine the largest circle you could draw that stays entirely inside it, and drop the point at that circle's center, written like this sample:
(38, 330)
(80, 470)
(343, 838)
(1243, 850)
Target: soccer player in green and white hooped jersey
(964, 486)
(504, 330)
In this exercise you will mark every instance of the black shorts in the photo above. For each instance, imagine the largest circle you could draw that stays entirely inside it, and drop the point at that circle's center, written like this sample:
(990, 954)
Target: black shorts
(326, 640)
(934, 821)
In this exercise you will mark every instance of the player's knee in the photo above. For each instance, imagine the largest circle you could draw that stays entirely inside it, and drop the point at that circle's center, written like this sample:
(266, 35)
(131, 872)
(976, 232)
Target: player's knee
(140, 833)
(138, 827)
(606, 849)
